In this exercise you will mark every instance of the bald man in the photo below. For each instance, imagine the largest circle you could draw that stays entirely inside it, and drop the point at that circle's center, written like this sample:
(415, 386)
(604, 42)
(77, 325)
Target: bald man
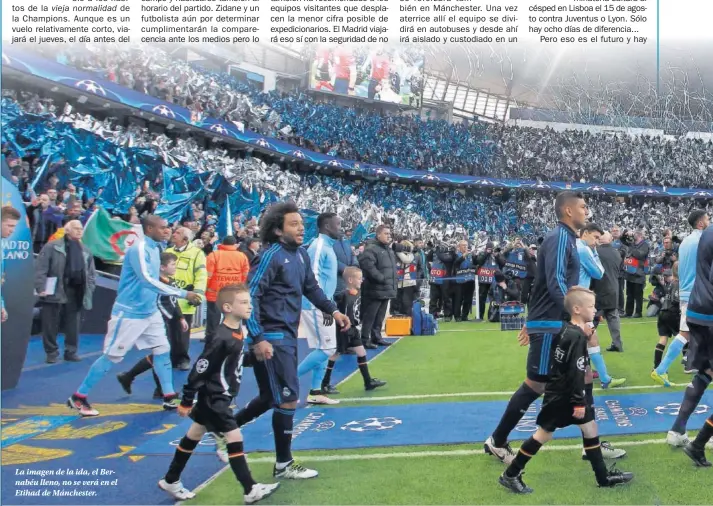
(64, 281)
(607, 289)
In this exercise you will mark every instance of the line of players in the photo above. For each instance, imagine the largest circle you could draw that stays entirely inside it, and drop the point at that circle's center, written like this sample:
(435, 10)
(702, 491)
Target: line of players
(562, 340)
(265, 315)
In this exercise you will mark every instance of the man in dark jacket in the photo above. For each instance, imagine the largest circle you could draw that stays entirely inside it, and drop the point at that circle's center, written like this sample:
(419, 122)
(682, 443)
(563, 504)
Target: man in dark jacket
(42, 227)
(65, 281)
(621, 248)
(531, 258)
(441, 300)
(378, 263)
(345, 258)
(607, 290)
(636, 266)
(487, 263)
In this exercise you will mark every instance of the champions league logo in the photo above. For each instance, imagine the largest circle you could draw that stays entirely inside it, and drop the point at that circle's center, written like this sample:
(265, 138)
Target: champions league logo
(90, 86)
(703, 194)
(334, 163)
(298, 154)
(385, 423)
(219, 129)
(672, 409)
(263, 143)
(430, 177)
(164, 111)
(597, 189)
(650, 191)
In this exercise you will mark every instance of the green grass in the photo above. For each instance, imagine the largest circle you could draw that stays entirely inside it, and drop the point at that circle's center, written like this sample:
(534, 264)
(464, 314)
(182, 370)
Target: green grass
(471, 357)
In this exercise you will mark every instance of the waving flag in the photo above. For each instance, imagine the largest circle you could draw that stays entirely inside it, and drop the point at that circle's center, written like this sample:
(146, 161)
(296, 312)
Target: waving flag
(224, 227)
(108, 238)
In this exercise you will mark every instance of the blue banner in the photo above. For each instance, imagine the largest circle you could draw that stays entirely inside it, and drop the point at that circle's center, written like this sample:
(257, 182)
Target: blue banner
(27, 62)
(17, 294)
(516, 263)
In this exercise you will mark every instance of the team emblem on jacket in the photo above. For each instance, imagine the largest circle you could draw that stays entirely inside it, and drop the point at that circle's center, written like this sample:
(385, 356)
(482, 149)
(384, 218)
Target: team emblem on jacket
(286, 392)
(202, 366)
(580, 363)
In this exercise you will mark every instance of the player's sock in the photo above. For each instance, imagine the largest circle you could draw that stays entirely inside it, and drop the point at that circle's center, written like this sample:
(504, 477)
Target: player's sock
(318, 374)
(593, 449)
(96, 372)
(164, 371)
(140, 367)
(595, 355)
(315, 359)
(255, 408)
(516, 409)
(528, 450)
(183, 452)
(328, 373)
(364, 369)
(156, 380)
(691, 398)
(589, 395)
(658, 354)
(674, 349)
(282, 420)
(239, 465)
(705, 434)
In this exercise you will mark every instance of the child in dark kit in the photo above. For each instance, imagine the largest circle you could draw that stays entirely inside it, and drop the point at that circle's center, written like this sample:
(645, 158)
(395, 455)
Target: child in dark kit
(348, 302)
(564, 401)
(215, 379)
(170, 311)
(669, 318)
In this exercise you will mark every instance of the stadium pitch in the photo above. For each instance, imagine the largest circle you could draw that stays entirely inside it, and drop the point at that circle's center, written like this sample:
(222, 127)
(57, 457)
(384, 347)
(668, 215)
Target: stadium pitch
(418, 440)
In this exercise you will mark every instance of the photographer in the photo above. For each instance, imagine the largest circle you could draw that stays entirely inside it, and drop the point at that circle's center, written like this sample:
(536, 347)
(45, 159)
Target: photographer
(487, 263)
(464, 286)
(667, 256)
(503, 290)
(636, 265)
(442, 260)
(407, 280)
(517, 259)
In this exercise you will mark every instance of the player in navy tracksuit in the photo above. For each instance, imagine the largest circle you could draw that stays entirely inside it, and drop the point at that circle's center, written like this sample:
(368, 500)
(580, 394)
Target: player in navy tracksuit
(557, 271)
(278, 279)
(699, 316)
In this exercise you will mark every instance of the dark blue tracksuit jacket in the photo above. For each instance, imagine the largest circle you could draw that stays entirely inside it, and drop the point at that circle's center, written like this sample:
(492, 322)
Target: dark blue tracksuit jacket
(700, 303)
(557, 272)
(279, 277)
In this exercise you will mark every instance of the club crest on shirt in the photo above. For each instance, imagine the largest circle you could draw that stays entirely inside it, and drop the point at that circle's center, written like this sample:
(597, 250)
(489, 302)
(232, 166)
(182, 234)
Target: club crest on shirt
(559, 354)
(202, 366)
(580, 363)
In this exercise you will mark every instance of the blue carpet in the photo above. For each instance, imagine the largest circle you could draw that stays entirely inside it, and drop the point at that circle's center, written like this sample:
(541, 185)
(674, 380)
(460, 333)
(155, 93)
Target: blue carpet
(444, 423)
(40, 434)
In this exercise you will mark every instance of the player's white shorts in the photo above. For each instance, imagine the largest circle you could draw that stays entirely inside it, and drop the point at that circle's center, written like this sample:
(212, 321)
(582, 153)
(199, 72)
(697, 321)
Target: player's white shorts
(319, 336)
(124, 333)
(684, 323)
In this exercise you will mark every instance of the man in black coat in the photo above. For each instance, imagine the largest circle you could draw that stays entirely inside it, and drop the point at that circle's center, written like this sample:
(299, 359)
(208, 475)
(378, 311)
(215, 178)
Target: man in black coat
(607, 290)
(378, 264)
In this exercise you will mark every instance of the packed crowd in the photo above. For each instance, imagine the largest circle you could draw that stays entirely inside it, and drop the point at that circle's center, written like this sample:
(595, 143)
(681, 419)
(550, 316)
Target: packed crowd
(435, 214)
(402, 139)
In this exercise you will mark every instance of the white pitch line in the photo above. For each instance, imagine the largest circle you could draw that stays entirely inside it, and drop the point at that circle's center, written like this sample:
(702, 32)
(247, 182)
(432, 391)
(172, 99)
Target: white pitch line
(474, 394)
(623, 324)
(447, 453)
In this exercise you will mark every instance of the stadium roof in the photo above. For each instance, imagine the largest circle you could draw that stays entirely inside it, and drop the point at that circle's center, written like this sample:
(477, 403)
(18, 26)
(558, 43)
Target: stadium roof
(555, 76)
